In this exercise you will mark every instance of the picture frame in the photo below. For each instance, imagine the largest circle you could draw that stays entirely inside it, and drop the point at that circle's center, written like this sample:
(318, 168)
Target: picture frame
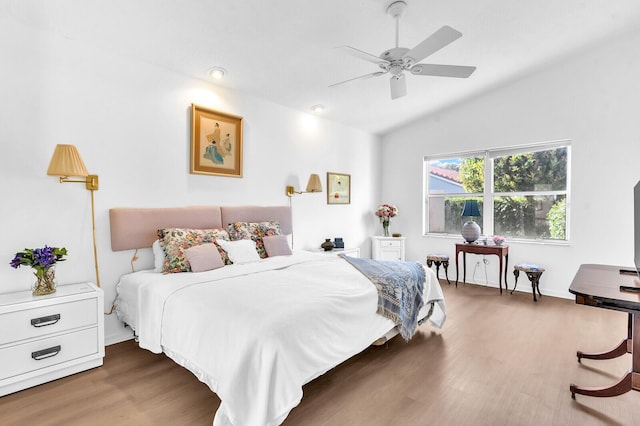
(216, 142)
(338, 188)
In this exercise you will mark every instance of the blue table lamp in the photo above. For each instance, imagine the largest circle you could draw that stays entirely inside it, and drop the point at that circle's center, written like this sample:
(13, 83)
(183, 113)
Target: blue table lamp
(470, 230)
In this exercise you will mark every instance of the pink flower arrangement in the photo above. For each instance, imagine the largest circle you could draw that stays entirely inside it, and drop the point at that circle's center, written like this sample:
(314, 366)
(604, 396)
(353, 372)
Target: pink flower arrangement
(497, 239)
(386, 211)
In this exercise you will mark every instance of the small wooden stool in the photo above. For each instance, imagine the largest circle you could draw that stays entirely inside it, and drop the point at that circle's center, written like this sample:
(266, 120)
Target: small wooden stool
(533, 273)
(439, 259)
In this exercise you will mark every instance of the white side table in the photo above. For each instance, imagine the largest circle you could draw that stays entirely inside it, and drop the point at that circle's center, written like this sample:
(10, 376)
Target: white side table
(45, 338)
(387, 248)
(349, 251)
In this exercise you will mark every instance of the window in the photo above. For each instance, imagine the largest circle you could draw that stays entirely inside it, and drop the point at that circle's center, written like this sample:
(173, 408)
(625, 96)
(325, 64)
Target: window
(522, 193)
(448, 187)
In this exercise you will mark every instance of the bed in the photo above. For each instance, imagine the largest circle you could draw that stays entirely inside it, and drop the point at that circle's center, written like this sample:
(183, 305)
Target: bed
(254, 332)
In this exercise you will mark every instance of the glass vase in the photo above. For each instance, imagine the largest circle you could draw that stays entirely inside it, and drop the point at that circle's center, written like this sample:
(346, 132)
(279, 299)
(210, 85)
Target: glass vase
(45, 282)
(385, 227)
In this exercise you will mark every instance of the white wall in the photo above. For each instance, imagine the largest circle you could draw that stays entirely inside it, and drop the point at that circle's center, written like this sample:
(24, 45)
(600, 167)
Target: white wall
(131, 123)
(592, 99)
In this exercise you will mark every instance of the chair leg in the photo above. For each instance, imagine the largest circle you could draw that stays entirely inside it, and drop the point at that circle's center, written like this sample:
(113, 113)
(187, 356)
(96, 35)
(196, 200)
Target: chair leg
(516, 273)
(534, 277)
(437, 269)
(538, 284)
(445, 264)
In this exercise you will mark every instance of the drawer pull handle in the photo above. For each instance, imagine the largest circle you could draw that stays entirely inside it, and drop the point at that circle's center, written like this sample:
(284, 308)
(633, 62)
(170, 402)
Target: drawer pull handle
(46, 353)
(44, 321)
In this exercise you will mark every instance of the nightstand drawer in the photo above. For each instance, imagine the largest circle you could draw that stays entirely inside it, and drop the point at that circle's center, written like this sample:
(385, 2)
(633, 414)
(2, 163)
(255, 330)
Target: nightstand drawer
(32, 356)
(30, 323)
(390, 243)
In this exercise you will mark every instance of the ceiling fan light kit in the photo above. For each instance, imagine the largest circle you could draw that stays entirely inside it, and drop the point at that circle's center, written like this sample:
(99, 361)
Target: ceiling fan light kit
(397, 60)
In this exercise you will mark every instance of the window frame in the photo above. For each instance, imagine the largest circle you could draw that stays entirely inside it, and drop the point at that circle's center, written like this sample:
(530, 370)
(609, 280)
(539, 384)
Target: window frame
(489, 195)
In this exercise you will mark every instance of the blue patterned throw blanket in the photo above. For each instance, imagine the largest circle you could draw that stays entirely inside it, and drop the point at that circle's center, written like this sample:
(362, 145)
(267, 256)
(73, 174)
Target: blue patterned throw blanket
(400, 286)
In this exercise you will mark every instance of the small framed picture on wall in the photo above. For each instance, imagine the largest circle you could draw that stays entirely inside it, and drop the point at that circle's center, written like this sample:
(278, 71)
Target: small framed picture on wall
(338, 188)
(216, 142)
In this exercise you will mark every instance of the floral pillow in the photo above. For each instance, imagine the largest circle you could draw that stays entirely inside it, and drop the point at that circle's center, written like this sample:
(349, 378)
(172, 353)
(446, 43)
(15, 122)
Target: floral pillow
(175, 241)
(254, 231)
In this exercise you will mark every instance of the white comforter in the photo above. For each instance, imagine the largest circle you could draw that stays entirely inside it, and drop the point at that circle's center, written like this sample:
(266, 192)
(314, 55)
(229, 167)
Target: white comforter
(256, 333)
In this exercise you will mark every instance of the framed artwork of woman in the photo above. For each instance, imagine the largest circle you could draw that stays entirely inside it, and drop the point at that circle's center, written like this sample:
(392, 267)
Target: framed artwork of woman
(216, 142)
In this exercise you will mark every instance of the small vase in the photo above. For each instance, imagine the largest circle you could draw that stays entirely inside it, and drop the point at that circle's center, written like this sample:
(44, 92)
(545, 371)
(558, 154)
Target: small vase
(45, 282)
(385, 227)
(327, 245)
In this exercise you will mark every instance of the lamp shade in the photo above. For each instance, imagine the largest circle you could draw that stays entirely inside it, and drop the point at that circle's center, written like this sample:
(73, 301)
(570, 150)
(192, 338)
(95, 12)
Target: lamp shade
(66, 161)
(470, 208)
(314, 184)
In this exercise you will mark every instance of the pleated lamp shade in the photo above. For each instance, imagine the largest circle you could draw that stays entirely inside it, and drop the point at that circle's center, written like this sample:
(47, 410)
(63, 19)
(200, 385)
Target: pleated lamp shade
(314, 184)
(66, 161)
(470, 208)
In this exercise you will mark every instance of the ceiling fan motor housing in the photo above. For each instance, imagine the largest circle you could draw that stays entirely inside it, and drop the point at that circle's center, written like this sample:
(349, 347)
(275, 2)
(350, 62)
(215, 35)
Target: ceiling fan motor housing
(394, 54)
(396, 58)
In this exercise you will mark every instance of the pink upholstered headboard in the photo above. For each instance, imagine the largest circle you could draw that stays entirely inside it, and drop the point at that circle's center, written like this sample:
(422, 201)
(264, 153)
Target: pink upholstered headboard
(133, 228)
(258, 214)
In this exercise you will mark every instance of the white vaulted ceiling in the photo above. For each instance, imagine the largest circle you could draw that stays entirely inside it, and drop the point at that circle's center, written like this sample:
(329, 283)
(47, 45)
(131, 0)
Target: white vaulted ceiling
(284, 50)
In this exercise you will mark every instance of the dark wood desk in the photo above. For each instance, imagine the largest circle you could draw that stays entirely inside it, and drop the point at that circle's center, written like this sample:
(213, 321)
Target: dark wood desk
(500, 251)
(599, 286)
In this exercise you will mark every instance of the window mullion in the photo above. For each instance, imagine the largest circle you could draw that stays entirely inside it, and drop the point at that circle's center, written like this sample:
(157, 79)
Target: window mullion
(529, 193)
(487, 200)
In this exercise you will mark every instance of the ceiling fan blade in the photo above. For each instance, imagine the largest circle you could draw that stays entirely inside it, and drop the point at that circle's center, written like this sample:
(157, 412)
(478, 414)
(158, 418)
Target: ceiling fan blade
(362, 55)
(362, 77)
(433, 43)
(398, 86)
(459, 71)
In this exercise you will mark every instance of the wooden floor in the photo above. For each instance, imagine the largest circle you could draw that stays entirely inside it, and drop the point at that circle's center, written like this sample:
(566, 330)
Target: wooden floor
(499, 360)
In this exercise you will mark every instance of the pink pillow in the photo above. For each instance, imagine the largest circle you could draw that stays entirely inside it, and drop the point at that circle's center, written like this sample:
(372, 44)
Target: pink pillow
(276, 245)
(204, 257)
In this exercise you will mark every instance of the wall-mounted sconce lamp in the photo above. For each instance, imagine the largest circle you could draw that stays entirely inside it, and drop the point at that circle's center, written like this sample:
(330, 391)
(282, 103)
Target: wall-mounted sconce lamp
(314, 185)
(66, 162)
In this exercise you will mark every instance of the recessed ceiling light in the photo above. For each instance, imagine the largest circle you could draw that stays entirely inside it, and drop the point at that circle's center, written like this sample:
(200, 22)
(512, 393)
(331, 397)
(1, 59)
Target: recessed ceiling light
(217, 73)
(317, 108)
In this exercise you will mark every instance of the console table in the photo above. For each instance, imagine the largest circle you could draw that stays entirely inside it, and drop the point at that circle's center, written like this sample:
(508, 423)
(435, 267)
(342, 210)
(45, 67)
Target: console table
(599, 286)
(500, 251)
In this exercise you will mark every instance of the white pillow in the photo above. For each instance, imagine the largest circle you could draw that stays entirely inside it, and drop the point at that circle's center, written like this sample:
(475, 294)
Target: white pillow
(158, 256)
(241, 251)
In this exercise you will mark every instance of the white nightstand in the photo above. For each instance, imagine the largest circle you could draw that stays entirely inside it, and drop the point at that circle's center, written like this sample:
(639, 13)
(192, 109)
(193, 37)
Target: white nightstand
(44, 338)
(349, 251)
(387, 248)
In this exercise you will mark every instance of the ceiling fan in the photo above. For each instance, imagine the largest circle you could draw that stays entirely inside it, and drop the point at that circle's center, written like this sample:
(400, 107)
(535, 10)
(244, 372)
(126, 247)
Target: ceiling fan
(398, 59)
